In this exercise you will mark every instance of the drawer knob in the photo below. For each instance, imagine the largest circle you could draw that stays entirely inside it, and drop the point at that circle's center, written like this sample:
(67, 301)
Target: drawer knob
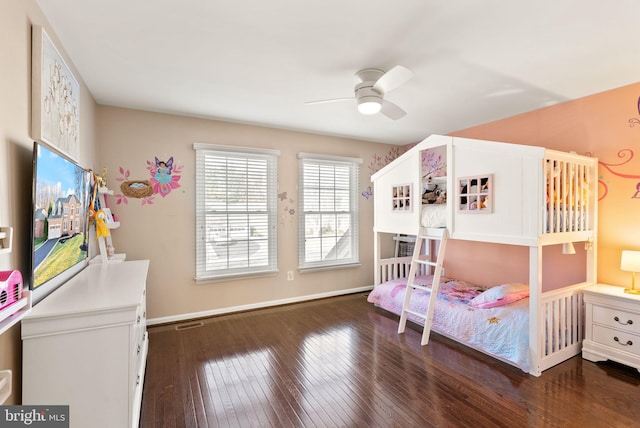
(629, 322)
(629, 343)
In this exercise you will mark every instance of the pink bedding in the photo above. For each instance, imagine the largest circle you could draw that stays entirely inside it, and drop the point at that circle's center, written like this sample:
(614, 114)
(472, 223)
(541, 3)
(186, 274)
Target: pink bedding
(501, 331)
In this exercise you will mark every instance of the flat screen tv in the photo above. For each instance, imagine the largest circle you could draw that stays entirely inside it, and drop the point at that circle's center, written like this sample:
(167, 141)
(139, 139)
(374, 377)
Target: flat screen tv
(60, 220)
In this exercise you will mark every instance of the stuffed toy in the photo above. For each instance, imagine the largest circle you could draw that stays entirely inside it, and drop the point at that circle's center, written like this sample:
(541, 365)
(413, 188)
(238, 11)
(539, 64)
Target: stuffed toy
(483, 204)
(430, 194)
(101, 227)
(561, 178)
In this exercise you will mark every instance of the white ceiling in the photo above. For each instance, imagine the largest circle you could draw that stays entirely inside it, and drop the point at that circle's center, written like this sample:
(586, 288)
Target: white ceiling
(258, 61)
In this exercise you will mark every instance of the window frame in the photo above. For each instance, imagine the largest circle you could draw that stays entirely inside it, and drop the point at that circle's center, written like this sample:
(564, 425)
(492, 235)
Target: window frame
(354, 180)
(270, 157)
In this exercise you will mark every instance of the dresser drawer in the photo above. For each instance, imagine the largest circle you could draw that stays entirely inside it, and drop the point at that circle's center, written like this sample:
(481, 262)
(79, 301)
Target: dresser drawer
(616, 339)
(617, 319)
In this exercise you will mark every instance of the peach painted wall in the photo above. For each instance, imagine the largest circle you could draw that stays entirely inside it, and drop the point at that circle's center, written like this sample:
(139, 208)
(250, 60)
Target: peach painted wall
(605, 125)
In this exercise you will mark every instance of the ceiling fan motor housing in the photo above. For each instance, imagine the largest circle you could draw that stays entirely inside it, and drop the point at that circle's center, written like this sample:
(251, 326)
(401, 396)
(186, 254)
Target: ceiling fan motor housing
(370, 75)
(368, 99)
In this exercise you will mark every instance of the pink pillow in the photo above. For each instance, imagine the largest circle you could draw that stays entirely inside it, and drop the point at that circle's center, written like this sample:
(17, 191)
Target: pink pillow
(500, 295)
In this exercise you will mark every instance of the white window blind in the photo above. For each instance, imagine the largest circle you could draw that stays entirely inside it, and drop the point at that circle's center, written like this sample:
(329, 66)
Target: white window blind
(236, 211)
(328, 211)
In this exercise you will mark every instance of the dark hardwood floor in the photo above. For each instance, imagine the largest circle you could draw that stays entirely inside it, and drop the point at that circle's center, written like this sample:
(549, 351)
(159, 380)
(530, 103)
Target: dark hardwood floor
(340, 363)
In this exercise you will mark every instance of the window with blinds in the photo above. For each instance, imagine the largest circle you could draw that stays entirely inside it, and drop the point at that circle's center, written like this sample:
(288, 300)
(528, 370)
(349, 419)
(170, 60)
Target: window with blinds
(328, 211)
(236, 211)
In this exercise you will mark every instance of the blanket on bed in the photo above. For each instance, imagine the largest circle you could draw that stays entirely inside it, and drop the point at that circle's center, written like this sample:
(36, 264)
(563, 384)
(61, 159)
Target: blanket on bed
(502, 332)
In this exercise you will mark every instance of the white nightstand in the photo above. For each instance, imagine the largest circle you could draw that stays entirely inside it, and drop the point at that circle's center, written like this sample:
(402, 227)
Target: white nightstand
(612, 325)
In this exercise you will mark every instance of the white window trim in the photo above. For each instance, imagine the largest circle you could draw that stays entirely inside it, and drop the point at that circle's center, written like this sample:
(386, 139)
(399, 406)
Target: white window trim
(235, 149)
(202, 275)
(335, 158)
(354, 164)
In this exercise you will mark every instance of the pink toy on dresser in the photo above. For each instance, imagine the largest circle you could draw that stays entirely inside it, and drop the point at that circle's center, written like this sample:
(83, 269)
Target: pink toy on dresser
(10, 287)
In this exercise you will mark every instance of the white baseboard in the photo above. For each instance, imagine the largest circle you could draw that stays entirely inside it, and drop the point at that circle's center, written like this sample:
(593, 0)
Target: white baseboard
(259, 305)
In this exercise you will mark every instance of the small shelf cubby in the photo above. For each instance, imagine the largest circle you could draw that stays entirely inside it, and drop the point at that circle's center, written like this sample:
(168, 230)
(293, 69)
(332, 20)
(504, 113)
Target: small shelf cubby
(6, 239)
(105, 243)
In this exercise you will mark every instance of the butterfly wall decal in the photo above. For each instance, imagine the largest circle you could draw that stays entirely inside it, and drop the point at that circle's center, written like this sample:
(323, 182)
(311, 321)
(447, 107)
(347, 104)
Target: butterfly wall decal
(367, 193)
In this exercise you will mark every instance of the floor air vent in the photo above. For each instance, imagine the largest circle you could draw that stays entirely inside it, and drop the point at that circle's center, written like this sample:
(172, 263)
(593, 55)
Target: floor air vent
(189, 325)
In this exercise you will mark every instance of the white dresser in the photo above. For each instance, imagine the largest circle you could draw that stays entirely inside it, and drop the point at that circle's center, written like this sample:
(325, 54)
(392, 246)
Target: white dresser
(612, 325)
(85, 346)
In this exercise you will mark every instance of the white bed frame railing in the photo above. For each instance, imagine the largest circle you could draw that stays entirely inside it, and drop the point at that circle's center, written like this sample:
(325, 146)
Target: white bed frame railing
(398, 267)
(568, 182)
(562, 313)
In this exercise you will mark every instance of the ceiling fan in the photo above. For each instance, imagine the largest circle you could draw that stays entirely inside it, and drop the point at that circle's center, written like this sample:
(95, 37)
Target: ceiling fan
(371, 87)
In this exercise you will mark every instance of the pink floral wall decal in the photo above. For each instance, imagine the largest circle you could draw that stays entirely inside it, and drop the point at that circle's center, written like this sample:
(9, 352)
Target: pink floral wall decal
(377, 161)
(164, 178)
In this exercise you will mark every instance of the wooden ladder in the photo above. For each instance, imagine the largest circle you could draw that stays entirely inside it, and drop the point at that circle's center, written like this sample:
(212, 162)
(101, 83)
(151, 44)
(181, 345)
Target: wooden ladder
(430, 235)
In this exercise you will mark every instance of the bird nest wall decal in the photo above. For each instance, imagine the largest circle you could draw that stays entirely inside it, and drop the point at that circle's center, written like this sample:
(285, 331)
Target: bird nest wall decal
(136, 188)
(164, 178)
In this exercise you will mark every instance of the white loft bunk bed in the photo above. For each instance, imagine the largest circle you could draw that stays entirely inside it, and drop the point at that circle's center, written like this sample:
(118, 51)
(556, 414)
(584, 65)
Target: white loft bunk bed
(497, 193)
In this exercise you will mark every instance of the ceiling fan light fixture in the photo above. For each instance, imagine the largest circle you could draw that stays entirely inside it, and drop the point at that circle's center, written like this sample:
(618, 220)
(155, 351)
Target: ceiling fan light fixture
(369, 105)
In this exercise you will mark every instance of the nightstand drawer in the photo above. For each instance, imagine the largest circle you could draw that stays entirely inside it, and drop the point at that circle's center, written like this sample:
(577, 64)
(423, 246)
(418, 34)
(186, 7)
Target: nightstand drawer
(616, 339)
(617, 319)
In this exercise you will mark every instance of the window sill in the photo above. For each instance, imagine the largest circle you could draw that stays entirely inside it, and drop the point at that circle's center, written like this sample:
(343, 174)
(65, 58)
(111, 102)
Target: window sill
(234, 277)
(328, 267)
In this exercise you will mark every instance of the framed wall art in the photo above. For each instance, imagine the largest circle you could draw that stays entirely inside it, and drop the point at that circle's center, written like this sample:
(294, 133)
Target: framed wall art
(55, 105)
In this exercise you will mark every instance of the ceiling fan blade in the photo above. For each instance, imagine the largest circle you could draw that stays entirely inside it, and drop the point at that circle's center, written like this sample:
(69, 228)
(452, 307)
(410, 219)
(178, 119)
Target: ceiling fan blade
(332, 100)
(393, 78)
(391, 110)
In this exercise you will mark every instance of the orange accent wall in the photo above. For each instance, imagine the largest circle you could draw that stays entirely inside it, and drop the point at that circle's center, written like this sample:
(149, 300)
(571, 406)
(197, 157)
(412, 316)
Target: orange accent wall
(605, 125)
